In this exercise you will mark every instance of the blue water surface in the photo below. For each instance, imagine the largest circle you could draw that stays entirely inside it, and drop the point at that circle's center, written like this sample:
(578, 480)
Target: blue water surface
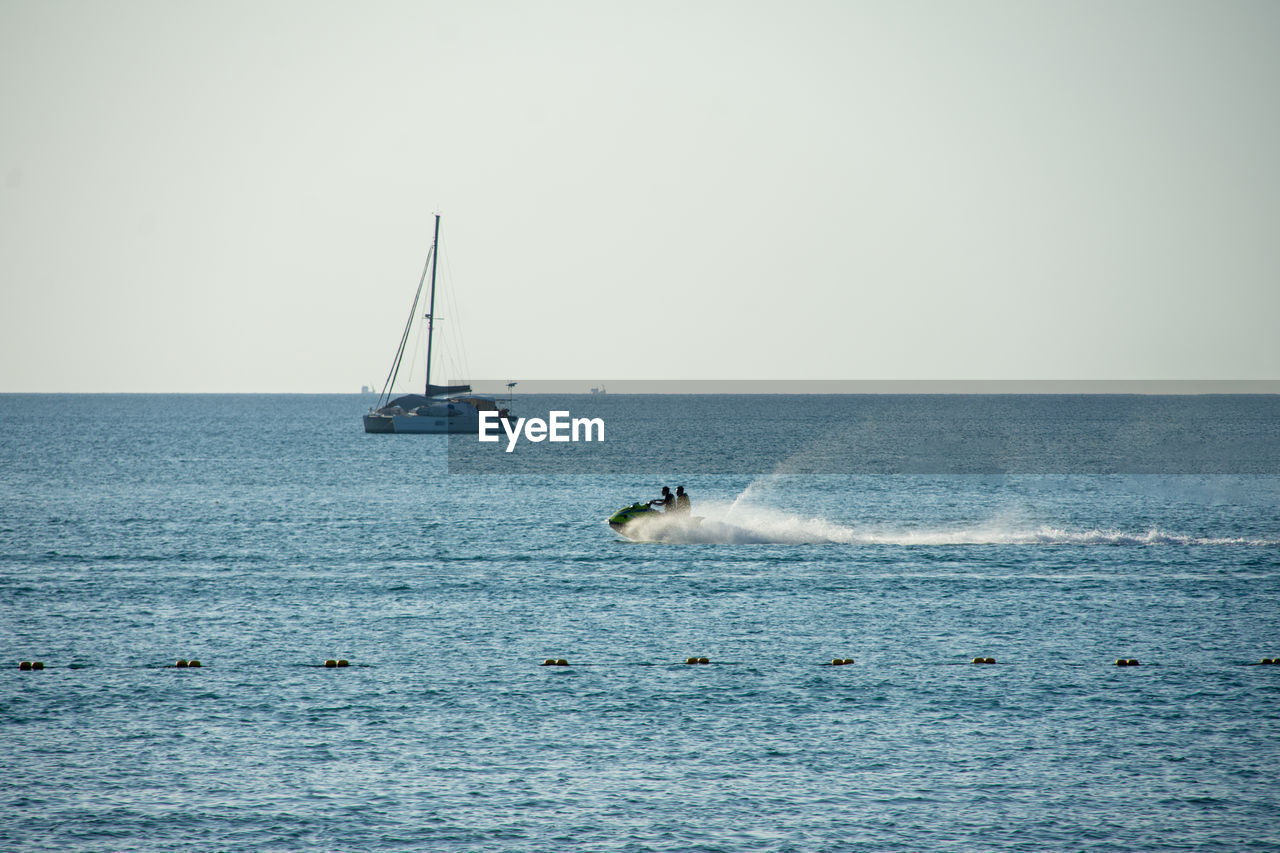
(264, 535)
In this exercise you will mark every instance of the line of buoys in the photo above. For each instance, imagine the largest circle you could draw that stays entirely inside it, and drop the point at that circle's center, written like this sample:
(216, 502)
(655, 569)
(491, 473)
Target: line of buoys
(331, 663)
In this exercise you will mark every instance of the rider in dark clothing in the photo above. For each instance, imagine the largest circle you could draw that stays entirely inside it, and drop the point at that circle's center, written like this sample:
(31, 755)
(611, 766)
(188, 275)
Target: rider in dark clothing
(682, 500)
(668, 500)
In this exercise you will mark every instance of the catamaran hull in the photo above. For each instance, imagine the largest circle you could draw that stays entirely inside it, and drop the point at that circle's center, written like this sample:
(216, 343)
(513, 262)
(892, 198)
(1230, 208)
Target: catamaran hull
(379, 423)
(420, 424)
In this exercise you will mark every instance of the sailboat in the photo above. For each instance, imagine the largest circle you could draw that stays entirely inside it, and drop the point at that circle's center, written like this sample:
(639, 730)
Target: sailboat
(440, 408)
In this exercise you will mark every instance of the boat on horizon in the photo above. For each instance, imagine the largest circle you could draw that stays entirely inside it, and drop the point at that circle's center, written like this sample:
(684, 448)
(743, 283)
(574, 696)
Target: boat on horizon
(440, 408)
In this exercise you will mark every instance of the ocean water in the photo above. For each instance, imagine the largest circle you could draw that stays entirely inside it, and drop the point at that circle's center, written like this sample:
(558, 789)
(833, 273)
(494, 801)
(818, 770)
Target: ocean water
(265, 535)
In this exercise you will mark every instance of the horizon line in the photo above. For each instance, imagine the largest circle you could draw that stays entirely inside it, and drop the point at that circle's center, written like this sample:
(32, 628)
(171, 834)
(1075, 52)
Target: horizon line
(779, 387)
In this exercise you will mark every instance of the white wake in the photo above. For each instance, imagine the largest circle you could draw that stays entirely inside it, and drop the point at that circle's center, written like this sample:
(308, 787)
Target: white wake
(739, 524)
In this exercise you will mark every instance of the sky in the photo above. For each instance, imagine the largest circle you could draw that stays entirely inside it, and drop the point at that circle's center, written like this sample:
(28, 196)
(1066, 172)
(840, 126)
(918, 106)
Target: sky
(239, 196)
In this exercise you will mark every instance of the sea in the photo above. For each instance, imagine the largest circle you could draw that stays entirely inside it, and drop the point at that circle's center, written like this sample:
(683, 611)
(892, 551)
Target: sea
(264, 535)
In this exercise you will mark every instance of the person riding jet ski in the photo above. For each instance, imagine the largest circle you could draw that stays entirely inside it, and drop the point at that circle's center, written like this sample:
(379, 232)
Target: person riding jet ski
(682, 501)
(667, 501)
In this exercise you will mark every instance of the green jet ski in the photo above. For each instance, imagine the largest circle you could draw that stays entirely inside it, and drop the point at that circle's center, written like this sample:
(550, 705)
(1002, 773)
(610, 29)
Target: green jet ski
(628, 514)
(642, 523)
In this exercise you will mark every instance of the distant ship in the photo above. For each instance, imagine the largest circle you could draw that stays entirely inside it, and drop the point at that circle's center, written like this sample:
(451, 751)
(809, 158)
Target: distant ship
(599, 390)
(440, 408)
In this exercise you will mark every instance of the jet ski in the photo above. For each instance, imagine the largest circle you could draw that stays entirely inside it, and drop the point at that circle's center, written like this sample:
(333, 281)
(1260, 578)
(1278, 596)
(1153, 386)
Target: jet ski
(628, 514)
(642, 523)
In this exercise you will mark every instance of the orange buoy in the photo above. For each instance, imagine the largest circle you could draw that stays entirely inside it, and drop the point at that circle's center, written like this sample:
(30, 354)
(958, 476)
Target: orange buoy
(343, 662)
(25, 666)
(331, 663)
(704, 660)
(549, 662)
(193, 663)
(1133, 662)
(691, 660)
(181, 664)
(561, 662)
(35, 664)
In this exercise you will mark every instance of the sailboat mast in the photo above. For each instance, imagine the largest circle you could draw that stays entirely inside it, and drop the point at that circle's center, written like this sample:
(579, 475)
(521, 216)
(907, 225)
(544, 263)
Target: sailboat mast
(431, 306)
